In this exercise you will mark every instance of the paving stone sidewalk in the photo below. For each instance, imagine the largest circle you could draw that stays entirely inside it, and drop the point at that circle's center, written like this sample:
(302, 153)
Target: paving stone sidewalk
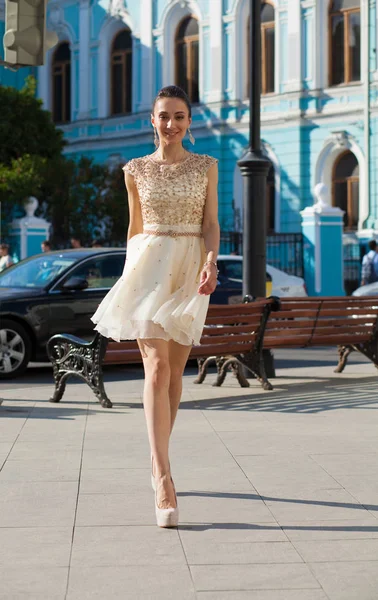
(278, 492)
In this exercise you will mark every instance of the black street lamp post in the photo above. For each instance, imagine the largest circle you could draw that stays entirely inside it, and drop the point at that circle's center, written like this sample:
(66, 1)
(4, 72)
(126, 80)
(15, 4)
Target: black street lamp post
(254, 167)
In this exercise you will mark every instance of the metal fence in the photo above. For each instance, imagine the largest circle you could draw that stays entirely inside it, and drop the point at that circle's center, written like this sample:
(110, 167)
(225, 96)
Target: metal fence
(283, 250)
(353, 254)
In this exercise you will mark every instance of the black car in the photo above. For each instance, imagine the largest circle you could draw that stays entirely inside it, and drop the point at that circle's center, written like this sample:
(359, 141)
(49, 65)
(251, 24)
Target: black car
(55, 292)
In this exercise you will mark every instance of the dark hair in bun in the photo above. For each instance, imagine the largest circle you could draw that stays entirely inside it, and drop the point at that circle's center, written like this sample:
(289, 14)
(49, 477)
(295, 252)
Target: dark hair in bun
(173, 91)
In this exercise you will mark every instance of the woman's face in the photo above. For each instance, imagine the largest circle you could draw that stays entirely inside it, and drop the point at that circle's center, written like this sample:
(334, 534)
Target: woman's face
(171, 119)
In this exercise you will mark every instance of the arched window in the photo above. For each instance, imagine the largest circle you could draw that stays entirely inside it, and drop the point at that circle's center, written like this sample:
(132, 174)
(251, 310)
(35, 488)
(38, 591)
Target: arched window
(121, 73)
(267, 49)
(270, 201)
(346, 183)
(187, 57)
(344, 41)
(61, 84)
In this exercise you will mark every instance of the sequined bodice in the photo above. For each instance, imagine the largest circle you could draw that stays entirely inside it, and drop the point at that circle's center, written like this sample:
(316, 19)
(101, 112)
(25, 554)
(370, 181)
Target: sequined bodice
(171, 194)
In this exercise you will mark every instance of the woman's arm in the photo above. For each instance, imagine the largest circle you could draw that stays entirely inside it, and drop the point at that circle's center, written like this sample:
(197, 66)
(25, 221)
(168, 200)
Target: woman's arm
(211, 234)
(135, 212)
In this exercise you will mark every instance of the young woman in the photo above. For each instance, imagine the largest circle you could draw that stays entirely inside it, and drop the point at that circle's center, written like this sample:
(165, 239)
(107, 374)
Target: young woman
(163, 295)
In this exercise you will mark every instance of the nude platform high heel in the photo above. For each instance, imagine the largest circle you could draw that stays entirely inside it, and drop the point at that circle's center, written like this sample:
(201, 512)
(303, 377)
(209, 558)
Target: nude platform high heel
(167, 517)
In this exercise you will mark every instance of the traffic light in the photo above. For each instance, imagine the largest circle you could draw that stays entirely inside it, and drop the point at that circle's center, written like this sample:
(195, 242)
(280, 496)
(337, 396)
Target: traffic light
(26, 39)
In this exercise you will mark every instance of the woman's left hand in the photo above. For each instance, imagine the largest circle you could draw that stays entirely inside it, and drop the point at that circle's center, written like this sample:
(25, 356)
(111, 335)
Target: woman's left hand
(208, 281)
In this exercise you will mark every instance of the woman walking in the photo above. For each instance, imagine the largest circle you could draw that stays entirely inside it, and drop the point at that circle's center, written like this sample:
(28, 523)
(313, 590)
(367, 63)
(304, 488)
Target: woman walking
(163, 295)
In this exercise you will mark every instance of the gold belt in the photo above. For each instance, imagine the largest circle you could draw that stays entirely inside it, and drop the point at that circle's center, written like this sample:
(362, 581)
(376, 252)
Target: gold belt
(173, 233)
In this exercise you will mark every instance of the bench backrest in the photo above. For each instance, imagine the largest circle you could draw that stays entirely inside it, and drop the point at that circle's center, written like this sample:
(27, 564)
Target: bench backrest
(232, 329)
(320, 321)
(229, 329)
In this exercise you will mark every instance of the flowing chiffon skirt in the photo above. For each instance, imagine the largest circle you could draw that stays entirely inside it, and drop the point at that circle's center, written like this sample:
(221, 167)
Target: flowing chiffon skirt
(156, 296)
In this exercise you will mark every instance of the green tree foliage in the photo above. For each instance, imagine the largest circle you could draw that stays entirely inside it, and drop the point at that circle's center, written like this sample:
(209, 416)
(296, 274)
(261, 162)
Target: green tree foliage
(86, 200)
(21, 178)
(78, 197)
(25, 127)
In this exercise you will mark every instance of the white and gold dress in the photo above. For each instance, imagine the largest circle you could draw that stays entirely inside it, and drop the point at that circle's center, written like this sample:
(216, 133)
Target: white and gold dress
(157, 294)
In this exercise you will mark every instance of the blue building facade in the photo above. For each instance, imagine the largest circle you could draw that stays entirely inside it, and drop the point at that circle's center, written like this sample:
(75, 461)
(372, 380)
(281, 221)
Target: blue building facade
(319, 97)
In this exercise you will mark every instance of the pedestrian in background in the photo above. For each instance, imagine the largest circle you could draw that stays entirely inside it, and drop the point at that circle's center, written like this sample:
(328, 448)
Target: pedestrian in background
(46, 246)
(369, 273)
(75, 242)
(5, 258)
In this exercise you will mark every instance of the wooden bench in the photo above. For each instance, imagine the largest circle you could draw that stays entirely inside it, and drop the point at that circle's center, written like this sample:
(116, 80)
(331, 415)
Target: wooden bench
(350, 323)
(232, 334)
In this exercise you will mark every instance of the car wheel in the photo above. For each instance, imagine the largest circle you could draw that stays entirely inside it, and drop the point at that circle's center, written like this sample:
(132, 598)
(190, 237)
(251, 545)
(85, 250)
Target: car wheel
(15, 349)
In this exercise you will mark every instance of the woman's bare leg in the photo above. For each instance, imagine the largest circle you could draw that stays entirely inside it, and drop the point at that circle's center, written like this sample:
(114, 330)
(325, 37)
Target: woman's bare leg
(155, 354)
(178, 357)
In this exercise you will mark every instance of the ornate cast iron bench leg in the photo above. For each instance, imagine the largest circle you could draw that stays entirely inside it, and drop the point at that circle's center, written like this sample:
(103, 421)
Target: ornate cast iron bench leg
(60, 384)
(254, 362)
(222, 364)
(222, 367)
(202, 368)
(71, 355)
(221, 372)
(238, 372)
(344, 352)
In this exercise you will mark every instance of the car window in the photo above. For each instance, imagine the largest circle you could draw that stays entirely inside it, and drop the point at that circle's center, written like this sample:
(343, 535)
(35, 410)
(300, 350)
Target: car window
(101, 272)
(35, 272)
(233, 269)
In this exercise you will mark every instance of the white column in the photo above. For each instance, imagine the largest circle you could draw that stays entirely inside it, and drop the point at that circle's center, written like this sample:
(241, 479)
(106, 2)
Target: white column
(84, 61)
(321, 46)
(294, 79)
(216, 53)
(146, 49)
(322, 226)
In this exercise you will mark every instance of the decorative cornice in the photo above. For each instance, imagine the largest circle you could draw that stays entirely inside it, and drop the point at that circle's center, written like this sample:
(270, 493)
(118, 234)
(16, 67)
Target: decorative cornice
(341, 138)
(118, 9)
(55, 16)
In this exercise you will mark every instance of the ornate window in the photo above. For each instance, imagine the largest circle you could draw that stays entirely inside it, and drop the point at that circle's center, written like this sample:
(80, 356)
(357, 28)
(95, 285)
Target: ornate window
(187, 57)
(61, 84)
(345, 184)
(267, 49)
(121, 73)
(344, 41)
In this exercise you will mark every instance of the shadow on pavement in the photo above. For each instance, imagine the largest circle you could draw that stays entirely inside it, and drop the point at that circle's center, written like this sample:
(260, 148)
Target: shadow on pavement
(248, 496)
(323, 395)
(262, 527)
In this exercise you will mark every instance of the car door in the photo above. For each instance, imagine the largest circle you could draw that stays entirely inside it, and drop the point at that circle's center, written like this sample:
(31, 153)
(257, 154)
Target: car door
(229, 287)
(71, 309)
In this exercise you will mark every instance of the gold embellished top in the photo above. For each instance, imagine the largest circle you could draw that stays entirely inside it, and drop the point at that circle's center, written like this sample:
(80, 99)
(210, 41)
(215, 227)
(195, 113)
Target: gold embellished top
(171, 194)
